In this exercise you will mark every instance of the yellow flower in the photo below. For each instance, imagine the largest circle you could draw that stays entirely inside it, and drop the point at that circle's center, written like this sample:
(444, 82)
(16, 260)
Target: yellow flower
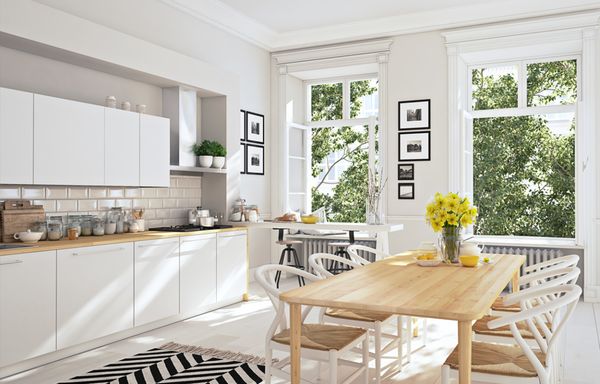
(452, 219)
(473, 212)
(464, 206)
(430, 209)
(436, 225)
(466, 220)
(439, 200)
(451, 204)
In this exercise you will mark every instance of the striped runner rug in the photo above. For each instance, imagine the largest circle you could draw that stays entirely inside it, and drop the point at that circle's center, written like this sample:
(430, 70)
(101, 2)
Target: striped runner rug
(178, 364)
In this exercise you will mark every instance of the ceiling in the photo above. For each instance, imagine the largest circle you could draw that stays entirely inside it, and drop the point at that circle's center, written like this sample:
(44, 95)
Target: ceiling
(293, 15)
(278, 25)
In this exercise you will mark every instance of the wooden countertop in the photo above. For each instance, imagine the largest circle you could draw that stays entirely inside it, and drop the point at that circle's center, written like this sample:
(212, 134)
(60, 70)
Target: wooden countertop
(90, 241)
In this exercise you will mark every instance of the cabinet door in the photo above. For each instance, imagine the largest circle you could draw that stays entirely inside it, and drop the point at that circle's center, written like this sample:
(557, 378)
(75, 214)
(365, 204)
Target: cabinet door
(27, 306)
(156, 280)
(68, 142)
(198, 273)
(94, 292)
(154, 151)
(16, 137)
(122, 147)
(232, 265)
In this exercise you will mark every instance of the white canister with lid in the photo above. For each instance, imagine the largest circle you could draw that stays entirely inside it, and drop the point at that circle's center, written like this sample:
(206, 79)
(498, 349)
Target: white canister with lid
(470, 249)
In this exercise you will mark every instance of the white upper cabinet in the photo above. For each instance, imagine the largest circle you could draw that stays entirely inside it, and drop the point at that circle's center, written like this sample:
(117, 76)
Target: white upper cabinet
(122, 147)
(232, 265)
(27, 306)
(16, 137)
(154, 151)
(68, 142)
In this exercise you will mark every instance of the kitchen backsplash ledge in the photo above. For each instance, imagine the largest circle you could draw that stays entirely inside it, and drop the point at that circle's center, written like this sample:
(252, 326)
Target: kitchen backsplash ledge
(164, 206)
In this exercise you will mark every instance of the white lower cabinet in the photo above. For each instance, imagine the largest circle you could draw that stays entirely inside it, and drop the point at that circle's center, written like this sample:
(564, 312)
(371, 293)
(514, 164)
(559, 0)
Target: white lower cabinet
(27, 306)
(232, 265)
(94, 292)
(156, 280)
(198, 273)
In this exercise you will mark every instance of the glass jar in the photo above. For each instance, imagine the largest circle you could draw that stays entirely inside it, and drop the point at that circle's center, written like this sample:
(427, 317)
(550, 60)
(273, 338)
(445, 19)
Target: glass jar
(87, 225)
(41, 226)
(55, 228)
(98, 228)
(74, 222)
(116, 215)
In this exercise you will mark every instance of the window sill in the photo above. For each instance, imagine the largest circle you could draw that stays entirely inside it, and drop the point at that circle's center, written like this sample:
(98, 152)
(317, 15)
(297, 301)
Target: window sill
(523, 241)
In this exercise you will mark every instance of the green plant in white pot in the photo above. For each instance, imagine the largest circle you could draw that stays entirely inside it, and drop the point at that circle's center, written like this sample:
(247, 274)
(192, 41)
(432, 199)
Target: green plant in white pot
(219, 152)
(204, 153)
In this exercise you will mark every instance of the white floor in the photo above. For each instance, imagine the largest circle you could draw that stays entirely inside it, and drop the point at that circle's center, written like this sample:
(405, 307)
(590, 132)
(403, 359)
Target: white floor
(242, 328)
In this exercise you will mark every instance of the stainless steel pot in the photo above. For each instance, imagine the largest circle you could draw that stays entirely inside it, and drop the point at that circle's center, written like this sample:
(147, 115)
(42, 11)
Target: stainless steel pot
(207, 221)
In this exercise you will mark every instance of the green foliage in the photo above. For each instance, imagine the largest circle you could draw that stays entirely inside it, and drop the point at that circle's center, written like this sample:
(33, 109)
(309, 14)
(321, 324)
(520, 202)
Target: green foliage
(524, 174)
(209, 148)
(349, 196)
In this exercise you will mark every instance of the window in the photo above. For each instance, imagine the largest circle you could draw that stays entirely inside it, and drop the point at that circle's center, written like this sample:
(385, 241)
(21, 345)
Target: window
(523, 147)
(340, 150)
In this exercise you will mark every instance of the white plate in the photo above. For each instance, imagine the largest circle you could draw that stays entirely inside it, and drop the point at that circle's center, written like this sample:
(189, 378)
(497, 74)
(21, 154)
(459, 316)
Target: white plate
(428, 263)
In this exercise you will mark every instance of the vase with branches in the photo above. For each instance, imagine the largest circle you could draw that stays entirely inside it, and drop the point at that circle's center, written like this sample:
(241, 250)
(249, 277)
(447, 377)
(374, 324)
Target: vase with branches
(375, 190)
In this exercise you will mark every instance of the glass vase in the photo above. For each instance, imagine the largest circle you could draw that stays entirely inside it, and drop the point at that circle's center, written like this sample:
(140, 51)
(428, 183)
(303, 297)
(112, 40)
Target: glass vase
(450, 244)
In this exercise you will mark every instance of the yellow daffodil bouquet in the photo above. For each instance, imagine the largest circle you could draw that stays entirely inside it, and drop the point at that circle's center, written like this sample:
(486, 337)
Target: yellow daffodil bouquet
(450, 211)
(448, 214)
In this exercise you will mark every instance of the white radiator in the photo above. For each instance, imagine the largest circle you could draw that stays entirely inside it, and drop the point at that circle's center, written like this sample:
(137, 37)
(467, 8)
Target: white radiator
(311, 246)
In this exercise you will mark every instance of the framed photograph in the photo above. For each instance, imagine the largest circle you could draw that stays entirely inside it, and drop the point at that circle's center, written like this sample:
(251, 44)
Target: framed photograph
(406, 171)
(414, 114)
(255, 128)
(406, 191)
(242, 125)
(414, 146)
(255, 160)
(243, 149)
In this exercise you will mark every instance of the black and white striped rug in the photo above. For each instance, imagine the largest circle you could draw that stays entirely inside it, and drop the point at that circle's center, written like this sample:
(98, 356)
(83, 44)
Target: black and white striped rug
(178, 364)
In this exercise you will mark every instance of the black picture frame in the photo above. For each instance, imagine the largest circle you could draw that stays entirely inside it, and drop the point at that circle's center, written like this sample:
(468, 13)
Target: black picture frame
(406, 197)
(405, 155)
(248, 161)
(243, 171)
(252, 137)
(404, 123)
(243, 122)
(411, 176)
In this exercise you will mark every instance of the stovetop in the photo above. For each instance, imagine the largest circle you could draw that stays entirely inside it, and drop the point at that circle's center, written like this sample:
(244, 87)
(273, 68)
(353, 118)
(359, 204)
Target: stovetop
(188, 228)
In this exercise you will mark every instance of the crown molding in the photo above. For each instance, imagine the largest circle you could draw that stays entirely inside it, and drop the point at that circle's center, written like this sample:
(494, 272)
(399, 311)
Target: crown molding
(372, 47)
(227, 18)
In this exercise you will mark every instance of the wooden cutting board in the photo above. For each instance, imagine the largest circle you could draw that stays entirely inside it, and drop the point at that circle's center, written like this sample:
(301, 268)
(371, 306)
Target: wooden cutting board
(18, 216)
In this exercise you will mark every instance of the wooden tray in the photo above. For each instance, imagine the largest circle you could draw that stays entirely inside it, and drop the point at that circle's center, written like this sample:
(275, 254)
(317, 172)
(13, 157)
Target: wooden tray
(19, 219)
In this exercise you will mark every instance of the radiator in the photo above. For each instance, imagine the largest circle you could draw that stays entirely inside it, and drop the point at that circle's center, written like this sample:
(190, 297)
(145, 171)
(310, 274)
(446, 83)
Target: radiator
(311, 246)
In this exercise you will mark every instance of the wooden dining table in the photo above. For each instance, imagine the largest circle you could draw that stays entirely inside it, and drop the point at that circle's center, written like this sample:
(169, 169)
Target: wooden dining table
(398, 285)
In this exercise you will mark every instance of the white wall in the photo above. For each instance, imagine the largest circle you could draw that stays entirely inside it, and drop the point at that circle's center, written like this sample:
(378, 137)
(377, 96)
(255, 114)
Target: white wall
(417, 70)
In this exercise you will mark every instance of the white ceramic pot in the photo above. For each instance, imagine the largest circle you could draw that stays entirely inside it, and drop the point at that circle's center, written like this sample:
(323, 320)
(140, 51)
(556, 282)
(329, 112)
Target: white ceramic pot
(28, 237)
(218, 162)
(205, 161)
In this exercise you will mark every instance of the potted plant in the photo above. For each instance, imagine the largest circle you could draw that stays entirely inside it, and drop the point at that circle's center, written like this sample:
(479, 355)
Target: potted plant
(204, 153)
(219, 152)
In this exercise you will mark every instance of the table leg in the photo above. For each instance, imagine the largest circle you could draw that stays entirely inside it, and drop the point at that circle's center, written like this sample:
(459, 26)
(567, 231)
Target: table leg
(383, 242)
(464, 351)
(295, 329)
(515, 282)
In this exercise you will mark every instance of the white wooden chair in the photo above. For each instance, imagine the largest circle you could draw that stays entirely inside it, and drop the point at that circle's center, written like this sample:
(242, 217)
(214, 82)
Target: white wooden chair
(369, 320)
(548, 265)
(500, 363)
(354, 250)
(320, 342)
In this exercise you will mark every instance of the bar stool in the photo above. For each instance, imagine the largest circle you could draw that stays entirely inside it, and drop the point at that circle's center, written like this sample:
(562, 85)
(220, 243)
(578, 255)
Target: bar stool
(341, 251)
(291, 253)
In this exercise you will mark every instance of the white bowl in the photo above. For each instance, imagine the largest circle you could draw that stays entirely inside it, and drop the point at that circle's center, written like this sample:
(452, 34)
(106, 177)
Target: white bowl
(428, 263)
(28, 237)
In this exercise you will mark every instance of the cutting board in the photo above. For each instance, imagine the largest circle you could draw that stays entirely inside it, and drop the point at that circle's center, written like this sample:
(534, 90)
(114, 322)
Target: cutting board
(18, 216)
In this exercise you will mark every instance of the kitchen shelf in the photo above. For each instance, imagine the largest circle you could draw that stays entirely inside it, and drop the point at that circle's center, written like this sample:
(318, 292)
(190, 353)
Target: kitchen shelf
(179, 168)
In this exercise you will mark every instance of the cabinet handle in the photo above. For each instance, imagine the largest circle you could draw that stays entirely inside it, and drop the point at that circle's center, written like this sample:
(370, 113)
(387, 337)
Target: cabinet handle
(197, 240)
(12, 262)
(153, 245)
(96, 252)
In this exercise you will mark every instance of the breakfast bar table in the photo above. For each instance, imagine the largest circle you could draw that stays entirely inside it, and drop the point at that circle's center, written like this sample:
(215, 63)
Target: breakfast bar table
(398, 285)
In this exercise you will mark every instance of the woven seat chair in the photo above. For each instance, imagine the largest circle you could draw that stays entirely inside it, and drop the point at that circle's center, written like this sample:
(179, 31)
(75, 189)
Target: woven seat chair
(320, 342)
(369, 320)
(501, 363)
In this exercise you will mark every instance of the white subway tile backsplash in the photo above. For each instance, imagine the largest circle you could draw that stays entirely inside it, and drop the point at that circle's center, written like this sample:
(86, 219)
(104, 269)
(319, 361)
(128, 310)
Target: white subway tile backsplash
(154, 223)
(155, 203)
(66, 205)
(140, 203)
(149, 214)
(105, 204)
(173, 183)
(49, 205)
(33, 193)
(162, 192)
(148, 192)
(176, 192)
(78, 193)
(56, 193)
(133, 192)
(193, 192)
(97, 193)
(87, 205)
(124, 203)
(116, 192)
(169, 203)
(10, 192)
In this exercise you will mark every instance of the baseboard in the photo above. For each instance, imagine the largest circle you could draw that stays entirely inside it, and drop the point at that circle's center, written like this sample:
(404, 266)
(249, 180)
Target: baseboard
(591, 294)
(96, 343)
